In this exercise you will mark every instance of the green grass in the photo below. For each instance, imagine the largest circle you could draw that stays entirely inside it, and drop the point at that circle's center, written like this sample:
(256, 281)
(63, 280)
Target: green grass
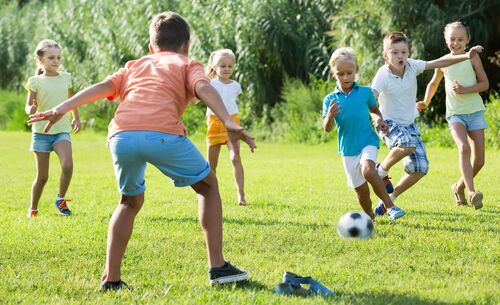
(437, 254)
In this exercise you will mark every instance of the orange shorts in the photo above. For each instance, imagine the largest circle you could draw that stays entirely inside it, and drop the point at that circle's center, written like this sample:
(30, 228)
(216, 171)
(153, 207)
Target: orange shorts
(216, 132)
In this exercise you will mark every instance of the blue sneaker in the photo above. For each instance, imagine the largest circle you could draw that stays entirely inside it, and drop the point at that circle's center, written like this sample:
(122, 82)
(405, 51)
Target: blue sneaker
(387, 181)
(394, 212)
(314, 286)
(380, 209)
(62, 207)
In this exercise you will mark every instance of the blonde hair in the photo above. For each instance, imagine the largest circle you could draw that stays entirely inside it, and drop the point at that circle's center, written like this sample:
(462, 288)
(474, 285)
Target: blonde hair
(343, 54)
(40, 49)
(214, 58)
(395, 37)
(457, 24)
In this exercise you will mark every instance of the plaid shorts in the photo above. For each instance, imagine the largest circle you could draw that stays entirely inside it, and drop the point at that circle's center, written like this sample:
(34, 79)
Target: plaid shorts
(408, 136)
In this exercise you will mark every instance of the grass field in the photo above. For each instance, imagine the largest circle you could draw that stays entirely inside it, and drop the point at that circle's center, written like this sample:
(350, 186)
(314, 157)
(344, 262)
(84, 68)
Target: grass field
(437, 254)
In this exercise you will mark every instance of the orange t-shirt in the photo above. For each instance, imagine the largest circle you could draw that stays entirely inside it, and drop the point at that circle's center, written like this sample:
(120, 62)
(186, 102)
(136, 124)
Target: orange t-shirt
(154, 91)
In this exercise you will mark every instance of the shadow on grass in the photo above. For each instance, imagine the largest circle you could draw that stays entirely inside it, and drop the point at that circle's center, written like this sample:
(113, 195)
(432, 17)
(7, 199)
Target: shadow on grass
(242, 221)
(384, 298)
(250, 285)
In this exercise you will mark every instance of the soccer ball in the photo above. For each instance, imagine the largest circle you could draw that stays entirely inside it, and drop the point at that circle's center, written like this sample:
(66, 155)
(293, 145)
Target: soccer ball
(355, 225)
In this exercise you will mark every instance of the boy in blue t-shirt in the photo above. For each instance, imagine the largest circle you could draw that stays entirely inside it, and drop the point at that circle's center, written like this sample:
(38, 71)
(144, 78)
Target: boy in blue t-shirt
(349, 105)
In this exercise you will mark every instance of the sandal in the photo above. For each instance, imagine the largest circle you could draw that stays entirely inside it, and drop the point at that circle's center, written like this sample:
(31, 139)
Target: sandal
(459, 197)
(476, 199)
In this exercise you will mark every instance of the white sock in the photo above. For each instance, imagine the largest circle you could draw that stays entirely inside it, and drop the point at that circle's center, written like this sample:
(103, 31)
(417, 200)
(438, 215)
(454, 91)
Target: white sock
(393, 198)
(381, 172)
(59, 197)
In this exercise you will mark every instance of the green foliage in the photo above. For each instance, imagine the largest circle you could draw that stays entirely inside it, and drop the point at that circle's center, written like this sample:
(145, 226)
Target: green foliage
(440, 254)
(12, 115)
(492, 115)
(298, 118)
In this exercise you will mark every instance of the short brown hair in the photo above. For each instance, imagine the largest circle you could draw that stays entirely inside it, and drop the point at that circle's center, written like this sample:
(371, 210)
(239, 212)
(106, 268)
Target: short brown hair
(395, 37)
(168, 31)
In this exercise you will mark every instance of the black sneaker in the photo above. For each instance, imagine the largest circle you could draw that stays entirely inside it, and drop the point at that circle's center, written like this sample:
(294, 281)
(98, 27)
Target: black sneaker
(226, 274)
(106, 286)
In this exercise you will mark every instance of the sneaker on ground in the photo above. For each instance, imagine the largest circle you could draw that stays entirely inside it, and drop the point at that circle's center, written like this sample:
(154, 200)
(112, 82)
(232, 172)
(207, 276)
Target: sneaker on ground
(107, 285)
(226, 274)
(387, 181)
(62, 207)
(394, 212)
(380, 209)
(32, 213)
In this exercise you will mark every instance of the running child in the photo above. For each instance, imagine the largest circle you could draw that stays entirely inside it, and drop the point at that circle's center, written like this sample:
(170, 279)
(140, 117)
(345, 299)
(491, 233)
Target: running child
(350, 106)
(464, 111)
(46, 89)
(395, 86)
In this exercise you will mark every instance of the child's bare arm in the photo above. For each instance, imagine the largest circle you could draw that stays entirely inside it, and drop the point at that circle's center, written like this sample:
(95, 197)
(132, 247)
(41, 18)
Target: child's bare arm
(431, 89)
(482, 79)
(448, 60)
(31, 104)
(378, 119)
(210, 97)
(74, 112)
(88, 95)
(333, 110)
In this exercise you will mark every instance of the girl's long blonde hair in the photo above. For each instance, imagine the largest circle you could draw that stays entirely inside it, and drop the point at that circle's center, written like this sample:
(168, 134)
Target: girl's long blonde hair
(40, 49)
(214, 58)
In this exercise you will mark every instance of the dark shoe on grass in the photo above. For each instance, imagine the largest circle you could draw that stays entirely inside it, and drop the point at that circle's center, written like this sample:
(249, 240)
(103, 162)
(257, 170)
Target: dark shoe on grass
(108, 285)
(226, 274)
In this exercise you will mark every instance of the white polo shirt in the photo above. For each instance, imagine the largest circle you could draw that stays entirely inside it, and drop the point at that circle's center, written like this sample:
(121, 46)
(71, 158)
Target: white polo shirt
(398, 96)
(229, 93)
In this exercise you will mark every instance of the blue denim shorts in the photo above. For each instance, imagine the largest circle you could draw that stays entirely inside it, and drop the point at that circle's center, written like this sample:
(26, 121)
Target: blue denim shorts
(41, 142)
(174, 155)
(408, 136)
(473, 121)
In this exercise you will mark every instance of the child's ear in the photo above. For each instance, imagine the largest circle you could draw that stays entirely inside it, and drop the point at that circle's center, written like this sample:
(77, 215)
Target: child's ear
(385, 55)
(185, 48)
(151, 49)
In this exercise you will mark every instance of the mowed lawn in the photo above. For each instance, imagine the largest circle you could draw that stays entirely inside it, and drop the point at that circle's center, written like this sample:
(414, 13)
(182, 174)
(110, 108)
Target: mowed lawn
(437, 254)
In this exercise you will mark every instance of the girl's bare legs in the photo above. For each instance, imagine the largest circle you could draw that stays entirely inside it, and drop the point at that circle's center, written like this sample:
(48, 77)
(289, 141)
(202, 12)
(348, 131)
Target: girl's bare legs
(459, 134)
(363, 193)
(370, 173)
(210, 218)
(63, 150)
(213, 156)
(477, 155)
(42, 176)
(119, 232)
(395, 155)
(238, 172)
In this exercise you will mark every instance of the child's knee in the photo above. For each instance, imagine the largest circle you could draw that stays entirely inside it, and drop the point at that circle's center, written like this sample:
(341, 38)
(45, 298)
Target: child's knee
(134, 202)
(67, 167)
(41, 179)
(205, 185)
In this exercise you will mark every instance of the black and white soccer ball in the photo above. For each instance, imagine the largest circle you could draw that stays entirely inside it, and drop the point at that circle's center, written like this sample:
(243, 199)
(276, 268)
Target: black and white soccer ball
(355, 225)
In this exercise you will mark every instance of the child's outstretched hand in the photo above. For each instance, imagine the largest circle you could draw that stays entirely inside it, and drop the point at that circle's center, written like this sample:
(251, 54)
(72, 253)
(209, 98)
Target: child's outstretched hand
(474, 50)
(421, 105)
(235, 132)
(52, 115)
(382, 126)
(333, 109)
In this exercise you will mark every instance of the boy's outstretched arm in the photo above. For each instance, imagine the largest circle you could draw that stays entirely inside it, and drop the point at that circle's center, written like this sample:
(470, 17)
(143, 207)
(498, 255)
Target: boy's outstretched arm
(448, 60)
(431, 89)
(86, 96)
(210, 97)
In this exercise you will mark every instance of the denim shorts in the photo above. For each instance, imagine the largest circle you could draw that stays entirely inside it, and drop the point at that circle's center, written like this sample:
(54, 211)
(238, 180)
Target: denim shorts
(473, 121)
(407, 136)
(174, 155)
(41, 142)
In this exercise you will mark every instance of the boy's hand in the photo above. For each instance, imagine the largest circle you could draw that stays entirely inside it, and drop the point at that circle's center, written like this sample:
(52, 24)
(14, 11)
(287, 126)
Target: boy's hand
(474, 50)
(333, 109)
(52, 115)
(382, 126)
(421, 105)
(235, 132)
(76, 125)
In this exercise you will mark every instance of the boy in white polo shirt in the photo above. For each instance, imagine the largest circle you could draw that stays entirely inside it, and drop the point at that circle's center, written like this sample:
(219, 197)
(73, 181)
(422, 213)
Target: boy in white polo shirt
(395, 86)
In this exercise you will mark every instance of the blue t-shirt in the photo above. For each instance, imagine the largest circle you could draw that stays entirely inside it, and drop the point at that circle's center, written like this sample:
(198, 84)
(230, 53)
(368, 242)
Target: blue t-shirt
(355, 131)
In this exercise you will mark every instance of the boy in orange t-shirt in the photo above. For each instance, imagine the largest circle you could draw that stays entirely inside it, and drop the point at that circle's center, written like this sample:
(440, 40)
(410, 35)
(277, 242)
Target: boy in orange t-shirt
(147, 128)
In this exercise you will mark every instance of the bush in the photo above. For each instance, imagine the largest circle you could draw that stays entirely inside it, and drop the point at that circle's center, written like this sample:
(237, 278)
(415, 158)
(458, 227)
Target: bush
(12, 115)
(492, 115)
